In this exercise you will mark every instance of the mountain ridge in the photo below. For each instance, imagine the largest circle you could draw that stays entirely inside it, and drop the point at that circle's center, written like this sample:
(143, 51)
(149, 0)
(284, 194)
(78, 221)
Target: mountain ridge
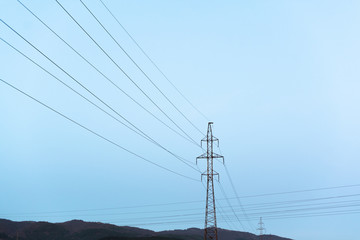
(81, 230)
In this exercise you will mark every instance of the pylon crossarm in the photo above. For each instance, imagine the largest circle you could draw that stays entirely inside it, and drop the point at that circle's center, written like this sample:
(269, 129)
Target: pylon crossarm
(215, 155)
(202, 156)
(205, 156)
(213, 139)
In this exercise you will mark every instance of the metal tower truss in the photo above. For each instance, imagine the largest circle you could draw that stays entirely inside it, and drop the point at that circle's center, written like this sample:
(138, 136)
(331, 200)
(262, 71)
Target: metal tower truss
(261, 229)
(210, 231)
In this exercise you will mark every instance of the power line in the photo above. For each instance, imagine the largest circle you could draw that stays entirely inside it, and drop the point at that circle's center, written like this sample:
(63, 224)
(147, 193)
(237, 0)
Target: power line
(309, 214)
(154, 64)
(62, 82)
(236, 194)
(117, 65)
(255, 216)
(336, 204)
(323, 214)
(264, 206)
(301, 191)
(101, 73)
(188, 220)
(232, 209)
(304, 209)
(252, 206)
(161, 223)
(222, 214)
(301, 212)
(143, 134)
(237, 197)
(97, 134)
(141, 70)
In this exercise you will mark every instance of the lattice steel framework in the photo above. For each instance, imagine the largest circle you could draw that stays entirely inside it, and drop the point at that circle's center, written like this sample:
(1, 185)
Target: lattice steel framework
(210, 231)
(261, 229)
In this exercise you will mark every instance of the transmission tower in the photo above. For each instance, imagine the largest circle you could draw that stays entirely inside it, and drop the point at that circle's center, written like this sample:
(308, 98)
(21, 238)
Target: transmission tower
(210, 230)
(261, 228)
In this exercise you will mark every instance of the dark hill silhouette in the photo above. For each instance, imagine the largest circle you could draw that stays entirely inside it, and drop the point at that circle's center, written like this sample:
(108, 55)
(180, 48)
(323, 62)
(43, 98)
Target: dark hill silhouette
(80, 230)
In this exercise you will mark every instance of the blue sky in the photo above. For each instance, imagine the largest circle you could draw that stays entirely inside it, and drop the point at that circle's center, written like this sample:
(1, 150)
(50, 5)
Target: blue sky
(279, 79)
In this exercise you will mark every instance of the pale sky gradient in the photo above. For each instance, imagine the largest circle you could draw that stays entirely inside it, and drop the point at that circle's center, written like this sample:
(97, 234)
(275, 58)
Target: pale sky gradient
(279, 79)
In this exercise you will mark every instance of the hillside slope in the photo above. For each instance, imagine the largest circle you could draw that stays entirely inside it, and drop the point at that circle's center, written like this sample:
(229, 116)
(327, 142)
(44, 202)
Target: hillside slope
(80, 230)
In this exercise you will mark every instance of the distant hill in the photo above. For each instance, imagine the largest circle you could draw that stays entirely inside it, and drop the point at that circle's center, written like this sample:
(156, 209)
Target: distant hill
(80, 230)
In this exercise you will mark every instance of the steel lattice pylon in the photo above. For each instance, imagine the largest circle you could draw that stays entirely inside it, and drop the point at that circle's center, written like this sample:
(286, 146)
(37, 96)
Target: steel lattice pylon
(261, 229)
(210, 231)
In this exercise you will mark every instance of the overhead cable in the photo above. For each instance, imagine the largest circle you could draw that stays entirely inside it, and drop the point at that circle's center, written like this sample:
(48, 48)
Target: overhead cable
(97, 134)
(141, 70)
(138, 131)
(153, 63)
(127, 75)
(102, 74)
